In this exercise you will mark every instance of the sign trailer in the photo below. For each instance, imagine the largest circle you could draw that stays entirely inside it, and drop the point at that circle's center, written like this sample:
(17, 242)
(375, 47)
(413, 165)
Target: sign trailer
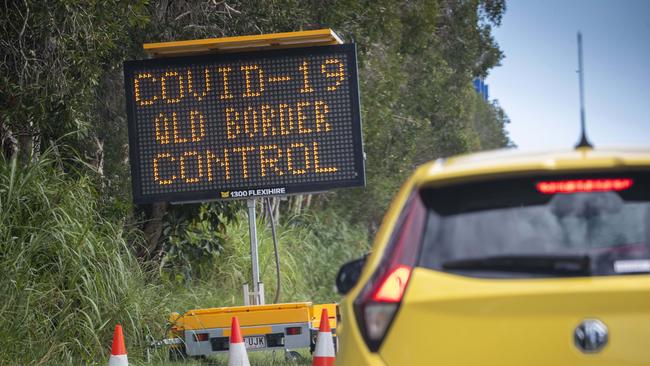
(282, 118)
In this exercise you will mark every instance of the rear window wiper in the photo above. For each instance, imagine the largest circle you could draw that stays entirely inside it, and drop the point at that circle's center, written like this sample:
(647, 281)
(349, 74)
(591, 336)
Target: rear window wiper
(561, 265)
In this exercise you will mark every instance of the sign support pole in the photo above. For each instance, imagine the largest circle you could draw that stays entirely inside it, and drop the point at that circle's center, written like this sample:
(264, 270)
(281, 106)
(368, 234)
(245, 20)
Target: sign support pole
(258, 297)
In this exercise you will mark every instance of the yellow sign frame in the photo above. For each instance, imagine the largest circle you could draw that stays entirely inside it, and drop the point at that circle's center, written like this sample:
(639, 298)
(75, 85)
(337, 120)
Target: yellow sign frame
(320, 37)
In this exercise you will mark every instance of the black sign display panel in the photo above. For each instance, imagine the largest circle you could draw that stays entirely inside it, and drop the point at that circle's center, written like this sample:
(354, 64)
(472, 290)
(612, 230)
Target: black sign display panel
(244, 125)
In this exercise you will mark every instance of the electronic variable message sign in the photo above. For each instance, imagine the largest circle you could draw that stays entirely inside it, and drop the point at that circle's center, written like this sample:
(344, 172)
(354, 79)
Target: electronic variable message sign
(244, 125)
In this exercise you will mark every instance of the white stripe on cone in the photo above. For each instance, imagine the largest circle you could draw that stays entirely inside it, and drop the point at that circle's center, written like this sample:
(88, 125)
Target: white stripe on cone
(118, 360)
(237, 355)
(324, 345)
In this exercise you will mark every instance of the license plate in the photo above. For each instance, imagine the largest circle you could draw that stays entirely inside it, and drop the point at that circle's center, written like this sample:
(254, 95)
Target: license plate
(255, 342)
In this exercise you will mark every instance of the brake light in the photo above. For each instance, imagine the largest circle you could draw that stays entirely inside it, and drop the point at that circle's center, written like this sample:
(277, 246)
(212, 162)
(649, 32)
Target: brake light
(393, 287)
(382, 295)
(584, 185)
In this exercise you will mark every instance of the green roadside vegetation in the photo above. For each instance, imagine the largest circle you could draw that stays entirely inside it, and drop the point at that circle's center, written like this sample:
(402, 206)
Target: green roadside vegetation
(77, 257)
(255, 358)
(69, 274)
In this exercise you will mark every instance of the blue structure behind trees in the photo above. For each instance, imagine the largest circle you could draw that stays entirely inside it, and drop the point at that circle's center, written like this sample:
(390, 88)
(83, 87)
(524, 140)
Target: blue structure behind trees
(481, 88)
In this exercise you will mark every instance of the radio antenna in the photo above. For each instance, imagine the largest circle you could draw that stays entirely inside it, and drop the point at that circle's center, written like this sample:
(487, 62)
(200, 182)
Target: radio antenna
(584, 142)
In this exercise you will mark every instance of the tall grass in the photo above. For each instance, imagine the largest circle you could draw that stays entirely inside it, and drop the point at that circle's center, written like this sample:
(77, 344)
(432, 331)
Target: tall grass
(66, 274)
(312, 247)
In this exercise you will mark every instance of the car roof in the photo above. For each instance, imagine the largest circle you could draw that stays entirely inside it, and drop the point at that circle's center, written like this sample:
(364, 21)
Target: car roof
(510, 162)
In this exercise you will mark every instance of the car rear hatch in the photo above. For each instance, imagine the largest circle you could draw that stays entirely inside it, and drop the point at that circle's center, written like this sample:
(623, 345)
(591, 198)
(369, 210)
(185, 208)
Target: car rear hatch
(456, 320)
(540, 270)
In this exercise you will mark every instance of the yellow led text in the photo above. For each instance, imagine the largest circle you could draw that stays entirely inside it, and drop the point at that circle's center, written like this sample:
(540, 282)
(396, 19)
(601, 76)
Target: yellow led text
(338, 74)
(195, 166)
(163, 130)
(273, 120)
(250, 81)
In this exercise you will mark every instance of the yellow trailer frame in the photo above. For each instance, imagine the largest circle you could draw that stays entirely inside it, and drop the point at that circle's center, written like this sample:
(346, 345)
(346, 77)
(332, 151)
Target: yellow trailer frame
(290, 326)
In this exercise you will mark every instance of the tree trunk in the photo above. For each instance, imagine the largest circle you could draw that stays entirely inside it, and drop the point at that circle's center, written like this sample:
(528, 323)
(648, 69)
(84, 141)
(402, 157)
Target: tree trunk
(296, 204)
(274, 207)
(153, 229)
(25, 148)
(8, 143)
(98, 162)
(308, 202)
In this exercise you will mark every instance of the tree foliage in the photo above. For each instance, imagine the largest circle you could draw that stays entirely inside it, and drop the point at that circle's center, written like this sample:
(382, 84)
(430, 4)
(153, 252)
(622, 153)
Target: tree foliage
(61, 81)
(54, 55)
(61, 78)
(418, 60)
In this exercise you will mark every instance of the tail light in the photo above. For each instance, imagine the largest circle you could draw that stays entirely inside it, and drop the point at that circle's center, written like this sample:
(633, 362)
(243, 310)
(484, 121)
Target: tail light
(379, 300)
(201, 337)
(293, 330)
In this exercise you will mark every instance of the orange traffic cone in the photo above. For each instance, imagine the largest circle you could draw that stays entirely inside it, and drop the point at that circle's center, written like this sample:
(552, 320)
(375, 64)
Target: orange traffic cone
(324, 353)
(118, 353)
(237, 353)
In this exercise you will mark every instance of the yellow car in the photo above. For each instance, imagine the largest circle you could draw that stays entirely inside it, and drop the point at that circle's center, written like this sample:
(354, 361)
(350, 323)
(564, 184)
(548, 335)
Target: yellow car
(506, 258)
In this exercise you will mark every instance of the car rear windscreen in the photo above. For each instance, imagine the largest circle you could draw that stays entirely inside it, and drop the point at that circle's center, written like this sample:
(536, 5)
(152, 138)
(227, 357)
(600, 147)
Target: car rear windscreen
(544, 226)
